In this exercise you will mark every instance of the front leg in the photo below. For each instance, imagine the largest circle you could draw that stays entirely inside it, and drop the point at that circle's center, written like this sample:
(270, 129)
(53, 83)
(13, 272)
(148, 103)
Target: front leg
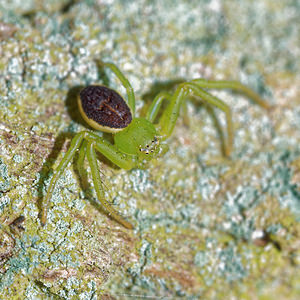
(235, 86)
(170, 115)
(196, 88)
(91, 157)
(75, 145)
(87, 142)
(117, 157)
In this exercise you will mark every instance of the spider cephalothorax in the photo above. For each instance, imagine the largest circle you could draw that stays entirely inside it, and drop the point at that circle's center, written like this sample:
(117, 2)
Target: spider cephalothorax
(136, 139)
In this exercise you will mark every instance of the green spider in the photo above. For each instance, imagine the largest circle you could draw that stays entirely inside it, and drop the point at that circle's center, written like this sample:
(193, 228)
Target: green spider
(136, 140)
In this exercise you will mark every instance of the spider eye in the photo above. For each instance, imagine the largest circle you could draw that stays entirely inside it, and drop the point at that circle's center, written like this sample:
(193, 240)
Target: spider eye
(155, 141)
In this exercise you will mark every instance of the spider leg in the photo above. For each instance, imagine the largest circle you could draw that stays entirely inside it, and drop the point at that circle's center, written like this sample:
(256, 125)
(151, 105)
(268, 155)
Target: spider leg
(195, 87)
(156, 105)
(170, 115)
(218, 126)
(91, 157)
(75, 144)
(80, 165)
(234, 86)
(83, 142)
(111, 152)
(125, 83)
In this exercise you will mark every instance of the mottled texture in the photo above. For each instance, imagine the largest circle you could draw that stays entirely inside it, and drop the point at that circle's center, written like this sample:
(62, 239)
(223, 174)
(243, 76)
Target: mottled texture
(205, 227)
(105, 106)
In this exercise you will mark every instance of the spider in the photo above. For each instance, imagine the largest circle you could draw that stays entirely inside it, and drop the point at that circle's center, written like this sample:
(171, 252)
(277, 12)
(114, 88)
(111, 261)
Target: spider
(137, 140)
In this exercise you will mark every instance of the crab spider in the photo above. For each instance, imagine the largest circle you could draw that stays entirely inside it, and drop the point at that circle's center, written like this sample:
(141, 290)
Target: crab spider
(136, 140)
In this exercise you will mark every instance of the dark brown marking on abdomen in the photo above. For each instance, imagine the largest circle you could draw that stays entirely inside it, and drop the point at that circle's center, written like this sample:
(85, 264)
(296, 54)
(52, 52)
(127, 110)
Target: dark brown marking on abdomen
(105, 106)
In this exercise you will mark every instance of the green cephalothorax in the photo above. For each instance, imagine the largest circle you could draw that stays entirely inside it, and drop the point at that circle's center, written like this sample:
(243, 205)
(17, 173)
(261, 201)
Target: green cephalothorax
(137, 140)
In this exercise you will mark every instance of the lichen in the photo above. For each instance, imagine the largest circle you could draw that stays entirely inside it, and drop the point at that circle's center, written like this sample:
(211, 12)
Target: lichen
(205, 226)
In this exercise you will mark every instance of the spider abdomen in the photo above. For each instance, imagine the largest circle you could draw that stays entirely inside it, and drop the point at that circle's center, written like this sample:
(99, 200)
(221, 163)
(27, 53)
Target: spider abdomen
(104, 109)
